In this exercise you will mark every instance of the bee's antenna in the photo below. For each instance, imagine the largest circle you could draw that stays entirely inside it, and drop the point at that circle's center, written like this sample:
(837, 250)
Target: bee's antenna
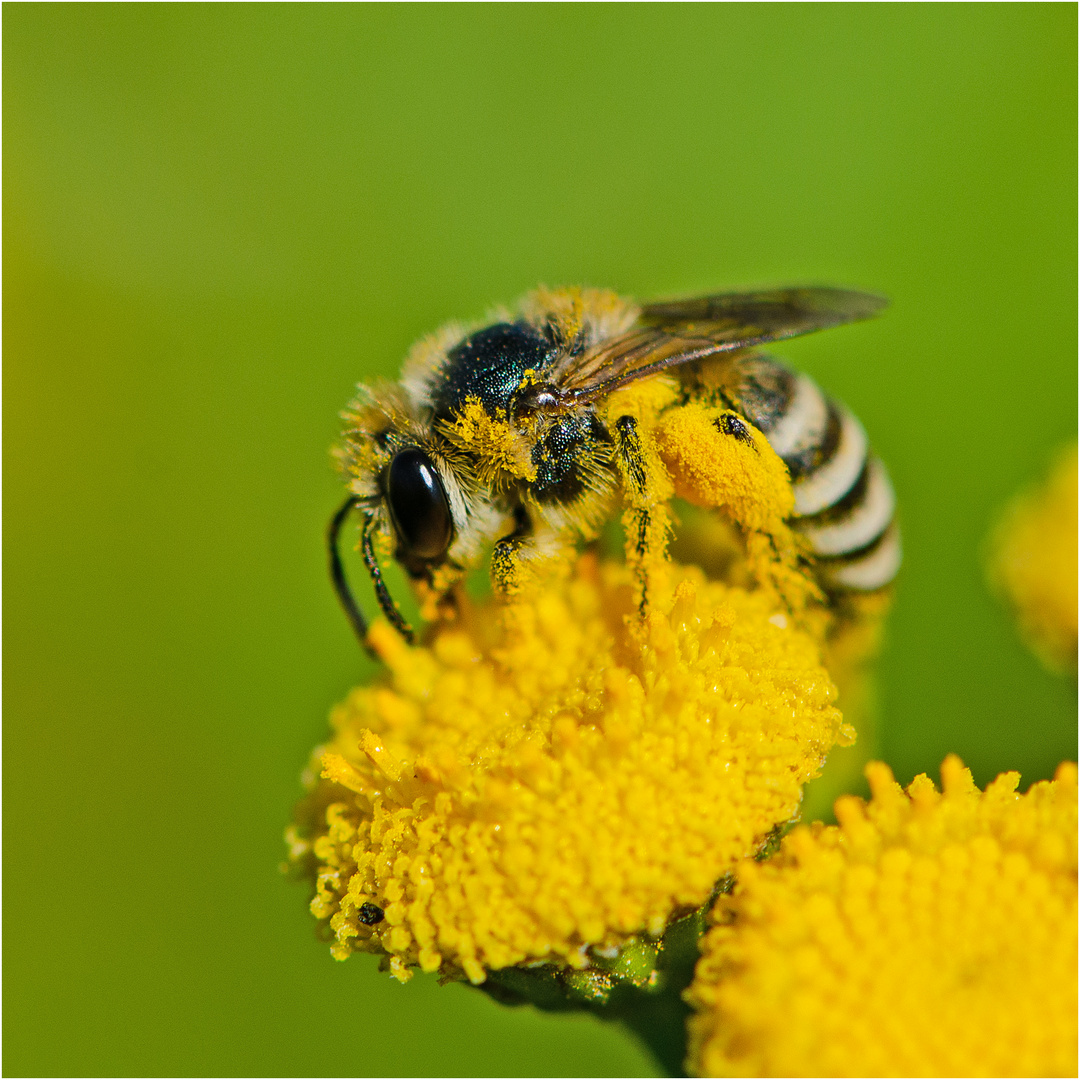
(341, 585)
(337, 574)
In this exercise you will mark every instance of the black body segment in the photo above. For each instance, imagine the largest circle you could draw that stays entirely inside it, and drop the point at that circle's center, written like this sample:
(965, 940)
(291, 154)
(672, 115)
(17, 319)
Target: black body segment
(558, 457)
(490, 365)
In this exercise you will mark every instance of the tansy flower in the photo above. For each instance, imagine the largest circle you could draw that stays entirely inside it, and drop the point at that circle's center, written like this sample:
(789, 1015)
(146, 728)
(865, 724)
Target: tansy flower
(542, 781)
(926, 935)
(1034, 564)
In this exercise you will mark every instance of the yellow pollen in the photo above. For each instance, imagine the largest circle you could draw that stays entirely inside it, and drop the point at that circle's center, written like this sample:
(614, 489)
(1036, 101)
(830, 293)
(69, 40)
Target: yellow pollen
(550, 776)
(493, 444)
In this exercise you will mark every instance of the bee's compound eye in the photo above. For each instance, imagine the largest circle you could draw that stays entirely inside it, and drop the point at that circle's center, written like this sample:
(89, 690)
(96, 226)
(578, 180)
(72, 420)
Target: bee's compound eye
(418, 504)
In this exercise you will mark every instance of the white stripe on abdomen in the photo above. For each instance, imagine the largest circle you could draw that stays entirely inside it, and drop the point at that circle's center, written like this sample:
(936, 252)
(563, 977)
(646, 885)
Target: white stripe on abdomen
(863, 523)
(803, 424)
(833, 479)
(872, 571)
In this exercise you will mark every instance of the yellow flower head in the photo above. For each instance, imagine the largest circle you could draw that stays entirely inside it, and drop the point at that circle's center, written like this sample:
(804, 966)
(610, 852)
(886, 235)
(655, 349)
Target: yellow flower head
(926, 935)
(1034, 563)
(544, 780)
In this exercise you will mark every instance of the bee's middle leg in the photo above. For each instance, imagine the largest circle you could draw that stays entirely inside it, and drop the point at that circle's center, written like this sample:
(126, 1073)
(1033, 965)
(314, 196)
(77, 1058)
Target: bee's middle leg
(645, 520)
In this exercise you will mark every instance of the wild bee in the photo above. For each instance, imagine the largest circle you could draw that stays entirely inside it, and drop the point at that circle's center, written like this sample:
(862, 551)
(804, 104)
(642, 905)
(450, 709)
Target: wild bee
(523, 435)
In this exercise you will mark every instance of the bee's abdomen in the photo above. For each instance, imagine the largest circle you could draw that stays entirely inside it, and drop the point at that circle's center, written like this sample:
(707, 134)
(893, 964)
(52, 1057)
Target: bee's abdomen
(844, 501)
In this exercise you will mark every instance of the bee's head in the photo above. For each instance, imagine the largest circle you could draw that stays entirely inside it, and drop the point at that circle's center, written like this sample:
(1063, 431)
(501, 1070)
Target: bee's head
(419, 509)
(396, 486)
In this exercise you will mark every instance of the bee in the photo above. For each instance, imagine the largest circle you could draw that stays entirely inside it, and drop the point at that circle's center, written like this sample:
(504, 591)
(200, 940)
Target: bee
(522, 435)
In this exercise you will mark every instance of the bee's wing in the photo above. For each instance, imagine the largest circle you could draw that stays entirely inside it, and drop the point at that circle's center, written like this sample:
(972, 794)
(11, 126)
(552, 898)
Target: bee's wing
(677, 331)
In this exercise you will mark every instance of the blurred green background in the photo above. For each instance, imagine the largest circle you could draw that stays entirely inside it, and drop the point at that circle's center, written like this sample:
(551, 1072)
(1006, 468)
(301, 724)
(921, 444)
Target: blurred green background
(218, 218)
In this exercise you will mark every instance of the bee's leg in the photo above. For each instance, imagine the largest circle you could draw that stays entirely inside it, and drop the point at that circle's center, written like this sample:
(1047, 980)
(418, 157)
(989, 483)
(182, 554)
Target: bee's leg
(645, 519)
(720, 461)
(382, 593)
(506, 575)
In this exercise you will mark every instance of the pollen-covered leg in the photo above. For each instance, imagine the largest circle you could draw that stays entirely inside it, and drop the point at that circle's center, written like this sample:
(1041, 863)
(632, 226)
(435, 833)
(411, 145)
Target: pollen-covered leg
(529, 555)
(646, 519)
(719, 460)
(382, 594)
(507, 577)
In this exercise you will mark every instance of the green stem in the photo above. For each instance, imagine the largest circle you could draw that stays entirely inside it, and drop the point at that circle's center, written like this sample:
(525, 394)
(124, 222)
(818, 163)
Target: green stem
(659, 1023)
(641, 989)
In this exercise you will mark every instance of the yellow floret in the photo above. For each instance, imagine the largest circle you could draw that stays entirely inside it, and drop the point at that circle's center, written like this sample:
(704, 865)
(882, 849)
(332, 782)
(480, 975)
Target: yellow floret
(551, 776)
(926, 935)
(1034, 563)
